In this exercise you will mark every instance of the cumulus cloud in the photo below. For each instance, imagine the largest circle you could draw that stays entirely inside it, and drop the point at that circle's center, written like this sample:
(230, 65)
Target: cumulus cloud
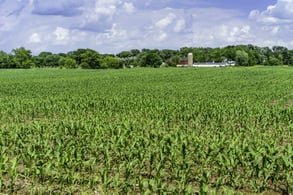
(106, 7)
(128, 7)
(35, 38)
(283, 9)
(164, 22)
(235, 33)
(62, 35)
(98, 16)
(161, 36)
(115, 25)
(275, 23)
(281, 12)
(179, 26)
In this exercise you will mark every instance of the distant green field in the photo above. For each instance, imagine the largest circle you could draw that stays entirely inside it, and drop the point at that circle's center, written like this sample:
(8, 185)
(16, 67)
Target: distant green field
(155, 131)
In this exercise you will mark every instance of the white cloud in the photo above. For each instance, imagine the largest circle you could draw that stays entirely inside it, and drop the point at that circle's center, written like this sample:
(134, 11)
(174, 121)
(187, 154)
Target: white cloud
(275, 24)
(105, 8)
(61, 35)
(98, 16)
(161, 36)
(281, 12)
(283, 9)
(179, 26)
(254, 14)
(128, 7)
(275, 30)
(164, 22)
(115, 25)
(35, 38)
(245, 29)
(115, 33)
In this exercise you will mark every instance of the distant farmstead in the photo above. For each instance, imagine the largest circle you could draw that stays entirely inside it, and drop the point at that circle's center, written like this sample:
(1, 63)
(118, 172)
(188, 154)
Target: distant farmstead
(214, 64)
(188, 62)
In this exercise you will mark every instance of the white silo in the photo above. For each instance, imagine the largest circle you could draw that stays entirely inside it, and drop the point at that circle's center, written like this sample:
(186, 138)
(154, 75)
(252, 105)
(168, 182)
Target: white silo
(190, 59)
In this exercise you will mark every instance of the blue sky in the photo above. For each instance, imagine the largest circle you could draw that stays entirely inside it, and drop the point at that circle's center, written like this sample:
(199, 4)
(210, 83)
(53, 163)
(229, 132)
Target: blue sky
(111, 26)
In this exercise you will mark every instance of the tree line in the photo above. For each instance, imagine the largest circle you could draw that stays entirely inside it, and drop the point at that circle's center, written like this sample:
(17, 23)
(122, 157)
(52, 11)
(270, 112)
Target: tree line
(243, 55)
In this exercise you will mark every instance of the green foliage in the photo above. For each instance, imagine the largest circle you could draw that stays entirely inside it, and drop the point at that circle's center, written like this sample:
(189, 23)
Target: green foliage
(4, 60)
(244, 55)
(67, 62)
(242, 58)
(124, 54)
(274, 61)
(51, 60)
(91, 57)
(85, 65)
(174, 60)
(46, 59)
(151, 59)
(217, 55)
(134, 52)
(136, 131)
(111, 62)
(22, 58)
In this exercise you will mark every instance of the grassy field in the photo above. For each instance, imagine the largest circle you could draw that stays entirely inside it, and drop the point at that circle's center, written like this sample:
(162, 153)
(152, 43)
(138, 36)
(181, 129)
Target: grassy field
(154, 131)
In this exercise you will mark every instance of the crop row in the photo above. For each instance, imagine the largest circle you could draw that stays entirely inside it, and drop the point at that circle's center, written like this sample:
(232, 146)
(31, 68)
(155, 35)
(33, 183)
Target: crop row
(147, 131)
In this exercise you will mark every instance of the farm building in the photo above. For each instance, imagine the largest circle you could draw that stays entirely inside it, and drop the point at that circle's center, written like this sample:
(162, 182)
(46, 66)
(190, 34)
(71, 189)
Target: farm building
(213, 64)
(189, 63)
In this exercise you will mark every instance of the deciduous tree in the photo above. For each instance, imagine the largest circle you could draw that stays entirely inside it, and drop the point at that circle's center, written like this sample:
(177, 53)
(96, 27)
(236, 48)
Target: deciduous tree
(4, 60)
(242, 58)
(22, 58)
(67, 62)
(150, 59)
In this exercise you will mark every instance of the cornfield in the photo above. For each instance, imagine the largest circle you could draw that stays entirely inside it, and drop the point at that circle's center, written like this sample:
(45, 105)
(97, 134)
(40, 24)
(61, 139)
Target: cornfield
(147, 131)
